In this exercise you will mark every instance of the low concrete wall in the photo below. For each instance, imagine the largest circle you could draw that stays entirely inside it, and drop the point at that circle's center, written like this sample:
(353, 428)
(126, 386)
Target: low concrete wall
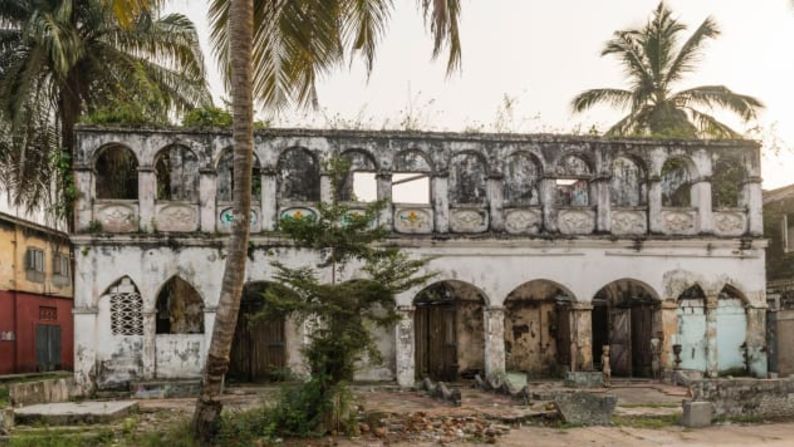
(761, 398)
(41, 391)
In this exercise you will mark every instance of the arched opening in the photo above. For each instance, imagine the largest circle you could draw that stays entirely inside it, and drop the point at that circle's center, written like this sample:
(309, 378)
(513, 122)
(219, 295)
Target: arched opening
(691, 333)
(573, 181)
(627, 186)
(360, 184)
(522, 174)
(259, 347)
(176, 170)
(625, 319)
(411, 178)
(116, 171)
(731, 322)
(467, 179)
(180, 309)
(727, 180)
(538, 329)
(298, 176)
(225, 178)
(676, 181)
(449, 333)
(120, 336)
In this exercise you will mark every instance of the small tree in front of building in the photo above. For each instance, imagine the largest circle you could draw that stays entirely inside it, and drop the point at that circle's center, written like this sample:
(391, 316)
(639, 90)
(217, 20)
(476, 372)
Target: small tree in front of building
(341, 314)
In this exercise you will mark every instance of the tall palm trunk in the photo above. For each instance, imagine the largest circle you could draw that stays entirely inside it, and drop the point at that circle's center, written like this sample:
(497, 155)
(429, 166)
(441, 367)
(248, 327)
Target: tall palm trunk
(206, 417)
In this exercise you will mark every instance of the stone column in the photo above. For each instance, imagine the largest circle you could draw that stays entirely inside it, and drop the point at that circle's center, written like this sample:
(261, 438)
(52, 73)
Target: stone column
(405, 347)
(548, 201)
(147, 188)
(756, 341)
(712, 357)
(753, 200)
(85, 346)
(496, 202)
(207, 193)
(326, 188)
(494, 331)
(148, 353)
(383, 184)
(655, 205)
(582, 336)
(440, 200)
(84, 183)
(269, 200)
(701, 198)
(603, 205)
(668, 313)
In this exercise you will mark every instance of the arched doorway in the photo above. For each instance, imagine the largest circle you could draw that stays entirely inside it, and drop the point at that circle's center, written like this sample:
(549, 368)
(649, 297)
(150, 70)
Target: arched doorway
(691, 334)
(624, 318)
(179, 329)
(538, 329)
(731, 321)
(259, 345)
(449, 335)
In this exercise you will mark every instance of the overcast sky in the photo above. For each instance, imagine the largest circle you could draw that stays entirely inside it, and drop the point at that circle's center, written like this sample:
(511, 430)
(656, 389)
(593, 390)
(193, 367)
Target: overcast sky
(540, 54)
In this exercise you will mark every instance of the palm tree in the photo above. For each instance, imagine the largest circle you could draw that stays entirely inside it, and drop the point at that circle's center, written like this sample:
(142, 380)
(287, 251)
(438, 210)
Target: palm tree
(275, 51)
(60, 59)
(654, 61)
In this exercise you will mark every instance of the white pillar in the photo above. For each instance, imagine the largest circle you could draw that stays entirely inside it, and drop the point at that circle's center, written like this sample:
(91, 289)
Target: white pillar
(384, 180)
(701, 198)
(207, 193)
(655, 206)
(83, 212)
(149, 345)
(440, 199)
(549, 203)
(146, 195)
(496, 202)
(326, 188)
(494, 329)
(756, 341)
(85, 346)
(405, 347)
(269, 201)
(603, 205)
(754, 201)
(712, 357)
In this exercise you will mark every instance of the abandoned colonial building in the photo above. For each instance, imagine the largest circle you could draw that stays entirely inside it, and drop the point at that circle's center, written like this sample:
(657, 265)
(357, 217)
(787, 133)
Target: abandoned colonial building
(546, 249)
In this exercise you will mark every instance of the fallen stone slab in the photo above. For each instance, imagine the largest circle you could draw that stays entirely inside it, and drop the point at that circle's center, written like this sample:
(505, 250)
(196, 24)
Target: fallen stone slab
(584, 379)
(67, 413)
(164, 389)
(697, 414)
(6, 420)
(580, 408)
(42, 391)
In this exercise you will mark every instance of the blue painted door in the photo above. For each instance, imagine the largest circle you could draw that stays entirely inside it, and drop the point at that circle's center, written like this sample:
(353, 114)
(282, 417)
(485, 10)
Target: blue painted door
(731, 334)
(692, 334)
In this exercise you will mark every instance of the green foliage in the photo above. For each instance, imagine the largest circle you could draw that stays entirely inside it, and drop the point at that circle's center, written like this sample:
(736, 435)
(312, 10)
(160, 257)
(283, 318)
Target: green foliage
(340, 313)
(204, 117)
(655, 59)
(125, 114)
(4, 396)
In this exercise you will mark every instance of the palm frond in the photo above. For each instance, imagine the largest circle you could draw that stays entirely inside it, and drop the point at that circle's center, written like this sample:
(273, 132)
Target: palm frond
(720, 96)
(614, 97)
(443, 17)
(690, 51)
(709, 126)
(364, 23)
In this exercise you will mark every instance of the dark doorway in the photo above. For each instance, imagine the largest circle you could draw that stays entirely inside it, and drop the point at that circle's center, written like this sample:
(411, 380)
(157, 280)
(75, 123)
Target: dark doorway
(448, 326)
(259, 346)
(623, 319)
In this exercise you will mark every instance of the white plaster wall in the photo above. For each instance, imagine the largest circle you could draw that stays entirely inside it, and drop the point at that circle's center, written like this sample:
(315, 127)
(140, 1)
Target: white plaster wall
(179, 356)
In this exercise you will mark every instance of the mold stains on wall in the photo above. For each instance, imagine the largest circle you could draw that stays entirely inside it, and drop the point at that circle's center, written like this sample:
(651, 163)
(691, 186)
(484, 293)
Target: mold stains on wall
(298, 176)
(176, 171)
(676, 183)
(537, 340)
(522, 176)
(628, 184)
(467, 177)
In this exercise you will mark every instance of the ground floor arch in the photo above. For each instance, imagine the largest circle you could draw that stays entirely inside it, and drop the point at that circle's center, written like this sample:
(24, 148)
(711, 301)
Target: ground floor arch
(538, 329)
(691, 335)
(626, 318)
(731, 321)
(449, 331)
(179, 331)
(259, 347)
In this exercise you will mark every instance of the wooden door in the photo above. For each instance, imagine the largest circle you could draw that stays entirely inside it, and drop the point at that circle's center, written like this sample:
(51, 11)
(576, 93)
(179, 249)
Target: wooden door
(564, 336)
(258, 349)
(641, 334)
(436, 342)
(620, 341)
(48, 347)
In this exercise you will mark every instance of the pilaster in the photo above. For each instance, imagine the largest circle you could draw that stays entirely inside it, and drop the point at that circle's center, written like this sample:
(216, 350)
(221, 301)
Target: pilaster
(494, 330)
(405, 347)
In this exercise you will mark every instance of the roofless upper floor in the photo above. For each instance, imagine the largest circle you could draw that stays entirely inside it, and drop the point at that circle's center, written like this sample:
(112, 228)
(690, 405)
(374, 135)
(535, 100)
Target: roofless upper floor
(180, 181)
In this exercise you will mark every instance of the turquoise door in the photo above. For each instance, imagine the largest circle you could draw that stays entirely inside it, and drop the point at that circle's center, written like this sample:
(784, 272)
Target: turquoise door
(692, 334)
(731, 334)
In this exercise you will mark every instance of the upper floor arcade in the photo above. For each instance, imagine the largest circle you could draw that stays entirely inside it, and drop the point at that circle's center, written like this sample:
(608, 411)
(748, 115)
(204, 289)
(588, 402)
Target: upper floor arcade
(180, 181)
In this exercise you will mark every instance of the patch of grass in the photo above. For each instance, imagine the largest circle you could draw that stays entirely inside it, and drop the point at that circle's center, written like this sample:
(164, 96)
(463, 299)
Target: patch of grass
(651, 422)
(59, 439)
(4, 397)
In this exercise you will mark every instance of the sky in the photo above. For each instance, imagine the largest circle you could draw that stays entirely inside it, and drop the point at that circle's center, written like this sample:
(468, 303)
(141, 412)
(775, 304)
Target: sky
(537, 55)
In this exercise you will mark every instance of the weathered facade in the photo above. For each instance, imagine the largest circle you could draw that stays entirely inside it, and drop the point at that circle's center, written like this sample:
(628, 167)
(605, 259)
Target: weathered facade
(547, 248)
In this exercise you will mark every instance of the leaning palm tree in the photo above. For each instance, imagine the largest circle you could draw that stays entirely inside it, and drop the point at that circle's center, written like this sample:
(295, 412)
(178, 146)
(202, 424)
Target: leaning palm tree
(61, 59)
(654, 62)
(274, 51)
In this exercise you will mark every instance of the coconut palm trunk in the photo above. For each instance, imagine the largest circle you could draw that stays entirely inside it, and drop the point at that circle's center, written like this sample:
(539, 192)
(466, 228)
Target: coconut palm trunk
(208, 408)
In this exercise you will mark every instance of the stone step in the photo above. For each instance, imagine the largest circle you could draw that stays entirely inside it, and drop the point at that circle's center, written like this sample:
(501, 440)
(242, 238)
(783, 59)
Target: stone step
(163, 389)
(69, 413)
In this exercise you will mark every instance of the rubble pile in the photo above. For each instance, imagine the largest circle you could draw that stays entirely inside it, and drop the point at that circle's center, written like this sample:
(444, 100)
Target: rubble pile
(444, 429)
